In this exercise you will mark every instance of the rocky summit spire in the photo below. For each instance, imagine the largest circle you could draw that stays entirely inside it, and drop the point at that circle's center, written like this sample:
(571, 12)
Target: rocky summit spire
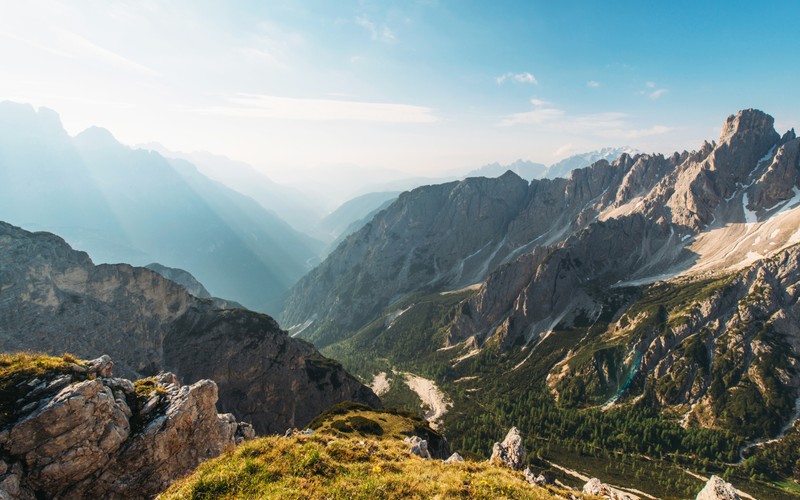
(745, 138)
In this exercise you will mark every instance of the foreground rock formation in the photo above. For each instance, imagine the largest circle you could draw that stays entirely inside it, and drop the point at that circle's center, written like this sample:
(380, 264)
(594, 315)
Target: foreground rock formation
(717, 489)
(78, 432)
(511, 451)
(54, 299)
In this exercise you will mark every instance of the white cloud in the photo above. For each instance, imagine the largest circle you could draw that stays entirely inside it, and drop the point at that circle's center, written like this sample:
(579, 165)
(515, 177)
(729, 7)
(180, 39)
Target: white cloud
(634, 133)
(565, 150)
(538, 103)
(73, 46)
(535, 117)
(651, 92)
(592, 84)
(613, 125)
(376, 33)
(292, 108)
(517, 77)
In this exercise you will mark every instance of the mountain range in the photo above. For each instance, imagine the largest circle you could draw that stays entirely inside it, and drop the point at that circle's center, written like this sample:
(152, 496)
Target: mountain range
(135, 206)
(647, 284)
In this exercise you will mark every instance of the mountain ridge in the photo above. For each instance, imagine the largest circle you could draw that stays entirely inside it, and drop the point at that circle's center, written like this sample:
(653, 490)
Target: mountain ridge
(54, 299)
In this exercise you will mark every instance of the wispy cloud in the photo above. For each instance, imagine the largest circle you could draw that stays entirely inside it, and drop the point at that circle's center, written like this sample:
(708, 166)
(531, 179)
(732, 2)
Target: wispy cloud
(516, 77)
(652, 91)
(592, 84)
(613, 125)
(377, 33)
(73, 46)
(292, 108)
(565, 150)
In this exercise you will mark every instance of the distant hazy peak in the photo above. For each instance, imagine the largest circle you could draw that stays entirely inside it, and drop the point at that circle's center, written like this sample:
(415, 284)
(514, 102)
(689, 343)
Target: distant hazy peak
(563, 167)
(96, 138)
(21, 119)
(523, 168)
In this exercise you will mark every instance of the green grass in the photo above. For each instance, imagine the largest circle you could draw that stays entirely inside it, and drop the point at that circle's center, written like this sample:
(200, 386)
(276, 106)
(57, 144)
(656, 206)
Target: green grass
(325, 465)
(17, 368)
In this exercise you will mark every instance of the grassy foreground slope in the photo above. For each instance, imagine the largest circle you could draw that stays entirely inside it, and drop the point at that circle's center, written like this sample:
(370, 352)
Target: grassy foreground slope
(352, 454)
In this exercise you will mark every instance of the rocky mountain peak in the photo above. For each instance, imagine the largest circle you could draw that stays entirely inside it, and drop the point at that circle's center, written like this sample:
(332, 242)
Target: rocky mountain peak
(746, 137)
(746, 122)
(96, 138)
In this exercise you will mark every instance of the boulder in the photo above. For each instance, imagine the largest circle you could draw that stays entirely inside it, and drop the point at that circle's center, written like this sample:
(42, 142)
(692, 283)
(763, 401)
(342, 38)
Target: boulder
(595, 487)
(418, 446)
(718, 489)
(510, 452)
(455, 457)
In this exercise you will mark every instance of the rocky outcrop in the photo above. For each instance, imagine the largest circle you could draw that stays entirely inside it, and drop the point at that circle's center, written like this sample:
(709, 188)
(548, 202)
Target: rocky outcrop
(595, 487)
(717, 489)
(510, 452)
(454, 458)
(54, 299)
(84, 433)
(418, 446)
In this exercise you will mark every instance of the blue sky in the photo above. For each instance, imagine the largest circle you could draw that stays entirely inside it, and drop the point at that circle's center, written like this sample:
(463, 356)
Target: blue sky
(417, 86)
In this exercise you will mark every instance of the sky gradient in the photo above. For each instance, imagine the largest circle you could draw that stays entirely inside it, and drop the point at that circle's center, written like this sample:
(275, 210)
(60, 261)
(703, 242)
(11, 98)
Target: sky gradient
(418, 86)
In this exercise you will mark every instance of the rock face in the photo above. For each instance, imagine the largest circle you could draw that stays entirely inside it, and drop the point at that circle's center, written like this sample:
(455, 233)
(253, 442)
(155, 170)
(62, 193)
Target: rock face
(54, 299)
(75, 436)
(717, 489)
(181, 277)
(511, 451)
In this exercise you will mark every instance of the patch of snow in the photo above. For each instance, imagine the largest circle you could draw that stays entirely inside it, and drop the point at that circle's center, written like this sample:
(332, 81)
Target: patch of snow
(774, 234)
(788, 204)
(685, 237)
(767, 156)
(750, 217)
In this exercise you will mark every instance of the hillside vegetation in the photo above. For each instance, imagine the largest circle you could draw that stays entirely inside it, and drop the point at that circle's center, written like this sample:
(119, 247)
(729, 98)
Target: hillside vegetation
(354, 453)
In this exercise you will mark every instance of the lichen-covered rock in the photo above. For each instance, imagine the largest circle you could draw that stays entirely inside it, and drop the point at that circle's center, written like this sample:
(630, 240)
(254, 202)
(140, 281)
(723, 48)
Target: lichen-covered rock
(717, 489)
(90, 437)
(511, 451)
